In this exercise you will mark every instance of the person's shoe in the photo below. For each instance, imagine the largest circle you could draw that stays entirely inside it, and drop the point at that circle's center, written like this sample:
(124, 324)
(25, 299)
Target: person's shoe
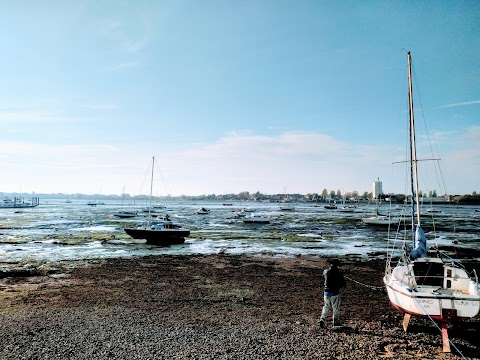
(336, 324)
(322, 323)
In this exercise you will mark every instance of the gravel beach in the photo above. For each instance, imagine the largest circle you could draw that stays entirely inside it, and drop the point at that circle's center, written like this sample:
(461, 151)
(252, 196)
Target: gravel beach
(210, 307)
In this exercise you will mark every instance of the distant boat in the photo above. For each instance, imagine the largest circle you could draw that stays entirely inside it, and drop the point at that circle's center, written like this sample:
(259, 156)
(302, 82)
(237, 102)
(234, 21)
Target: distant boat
(203, 211)
(432, 209)
(125, 214)
(380, 220)
(95, 203)
(228, 203)
(286, 207)
(241, 213)
(330, 207)
(347, 209)
(256, 219)
(163, 232)
(244, 212)
(18, 202)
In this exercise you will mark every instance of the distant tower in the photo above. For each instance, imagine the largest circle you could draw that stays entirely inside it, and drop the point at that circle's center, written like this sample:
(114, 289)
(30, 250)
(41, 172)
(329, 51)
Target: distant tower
(377, 188)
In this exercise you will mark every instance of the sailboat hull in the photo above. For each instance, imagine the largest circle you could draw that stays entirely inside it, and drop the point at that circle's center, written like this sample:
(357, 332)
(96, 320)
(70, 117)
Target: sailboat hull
(162, 237)
(456, 299)
(381, 221)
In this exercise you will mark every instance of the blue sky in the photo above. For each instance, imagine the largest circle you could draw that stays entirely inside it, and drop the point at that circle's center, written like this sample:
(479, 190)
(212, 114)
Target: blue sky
(234, 96)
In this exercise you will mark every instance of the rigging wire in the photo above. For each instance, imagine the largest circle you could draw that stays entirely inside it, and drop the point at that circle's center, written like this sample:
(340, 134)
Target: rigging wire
(146, 177)
(429, 136)
(163, 179)
(436, 160)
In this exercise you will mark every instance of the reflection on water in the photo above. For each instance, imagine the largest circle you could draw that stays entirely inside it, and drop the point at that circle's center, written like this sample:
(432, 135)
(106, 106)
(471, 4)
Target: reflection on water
(57, 231)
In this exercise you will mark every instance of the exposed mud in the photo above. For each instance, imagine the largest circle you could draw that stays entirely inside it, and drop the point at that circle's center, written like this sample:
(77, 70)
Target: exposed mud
(211, 307)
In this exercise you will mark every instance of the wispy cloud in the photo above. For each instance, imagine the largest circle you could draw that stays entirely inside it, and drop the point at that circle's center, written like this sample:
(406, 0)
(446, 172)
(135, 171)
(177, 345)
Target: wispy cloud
(125, 66)
(102, 107)
(130, 39)
(302, 161)
(27, 116)
(135, 45)
(41, 150)
(460, 104)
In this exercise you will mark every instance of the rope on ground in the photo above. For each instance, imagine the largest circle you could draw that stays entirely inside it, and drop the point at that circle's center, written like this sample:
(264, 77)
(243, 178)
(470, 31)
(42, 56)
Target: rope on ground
(368, 286)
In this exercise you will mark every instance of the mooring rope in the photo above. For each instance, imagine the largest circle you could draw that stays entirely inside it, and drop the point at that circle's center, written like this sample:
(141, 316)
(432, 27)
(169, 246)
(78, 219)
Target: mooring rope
(366, 285)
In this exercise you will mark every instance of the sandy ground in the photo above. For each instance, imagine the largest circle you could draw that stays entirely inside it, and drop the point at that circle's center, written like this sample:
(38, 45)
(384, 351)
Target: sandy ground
(210, 307)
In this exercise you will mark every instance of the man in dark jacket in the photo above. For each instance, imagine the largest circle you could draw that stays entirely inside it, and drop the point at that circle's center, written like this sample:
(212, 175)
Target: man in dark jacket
(334, 281)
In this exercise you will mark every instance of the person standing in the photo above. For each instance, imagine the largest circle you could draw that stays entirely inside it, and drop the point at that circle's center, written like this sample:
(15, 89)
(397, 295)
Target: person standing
(334, 281)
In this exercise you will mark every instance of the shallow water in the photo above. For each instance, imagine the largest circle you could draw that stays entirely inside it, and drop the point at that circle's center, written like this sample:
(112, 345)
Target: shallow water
(58, 231)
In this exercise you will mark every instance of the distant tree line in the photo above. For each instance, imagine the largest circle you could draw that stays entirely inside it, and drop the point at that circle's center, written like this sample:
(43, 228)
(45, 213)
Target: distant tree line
(473, 199)
(322, 197)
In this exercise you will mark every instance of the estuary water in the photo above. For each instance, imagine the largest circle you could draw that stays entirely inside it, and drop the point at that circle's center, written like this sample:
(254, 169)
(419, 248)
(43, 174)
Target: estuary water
(59, 231)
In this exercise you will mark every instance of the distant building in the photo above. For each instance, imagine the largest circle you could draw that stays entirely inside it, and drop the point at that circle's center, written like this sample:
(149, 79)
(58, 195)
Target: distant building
(377, 189)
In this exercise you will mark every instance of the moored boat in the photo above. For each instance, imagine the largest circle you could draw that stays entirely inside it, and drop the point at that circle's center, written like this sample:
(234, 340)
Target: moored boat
(125, 214)
(330, 207)
(381, 220)
(18, 202)
(162, 232)
(347, 209)
(256, 219)
(203, 211)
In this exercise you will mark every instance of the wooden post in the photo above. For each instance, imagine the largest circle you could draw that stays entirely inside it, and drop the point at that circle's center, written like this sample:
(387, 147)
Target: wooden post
(406, 320)
(446, 342)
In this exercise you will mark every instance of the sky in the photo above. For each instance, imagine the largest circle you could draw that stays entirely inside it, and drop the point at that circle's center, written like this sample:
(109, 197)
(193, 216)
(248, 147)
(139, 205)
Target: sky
(231, 96)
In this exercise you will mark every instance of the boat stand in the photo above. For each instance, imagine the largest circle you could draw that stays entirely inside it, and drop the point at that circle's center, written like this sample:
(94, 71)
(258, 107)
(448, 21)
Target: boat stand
(406, 320)
(445, 340)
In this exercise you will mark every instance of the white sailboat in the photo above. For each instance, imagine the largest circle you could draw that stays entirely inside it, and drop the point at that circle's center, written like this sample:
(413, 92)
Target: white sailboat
(203, 211)
(346, 208)
(256, 219)
(379, 219)
(125, 214)
(425, 286)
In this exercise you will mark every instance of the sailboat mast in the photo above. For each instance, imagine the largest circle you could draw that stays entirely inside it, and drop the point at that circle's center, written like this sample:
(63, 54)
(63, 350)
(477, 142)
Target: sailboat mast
(413, 147)
(151, 191)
